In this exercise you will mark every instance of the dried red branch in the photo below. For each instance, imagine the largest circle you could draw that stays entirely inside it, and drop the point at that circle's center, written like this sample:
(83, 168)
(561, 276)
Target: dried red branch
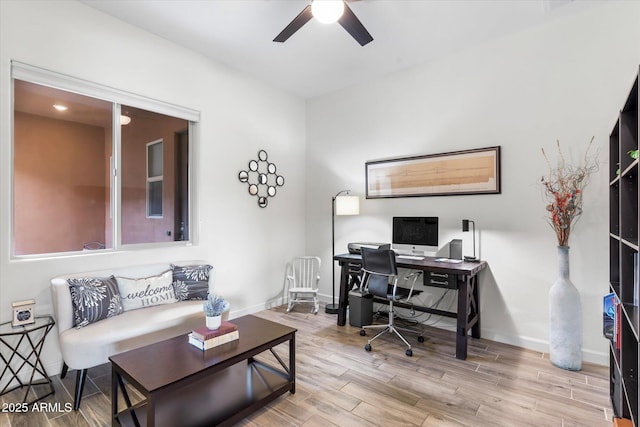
(563, 189)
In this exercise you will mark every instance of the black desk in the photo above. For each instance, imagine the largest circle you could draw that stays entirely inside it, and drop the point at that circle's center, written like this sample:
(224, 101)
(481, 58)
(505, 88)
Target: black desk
(466, 281)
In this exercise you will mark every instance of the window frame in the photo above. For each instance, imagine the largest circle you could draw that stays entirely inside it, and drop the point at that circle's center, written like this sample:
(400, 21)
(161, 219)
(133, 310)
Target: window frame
(155, 178)
(40, 76)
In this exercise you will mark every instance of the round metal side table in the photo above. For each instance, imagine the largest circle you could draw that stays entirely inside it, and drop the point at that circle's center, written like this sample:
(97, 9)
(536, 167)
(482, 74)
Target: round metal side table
(21, 363)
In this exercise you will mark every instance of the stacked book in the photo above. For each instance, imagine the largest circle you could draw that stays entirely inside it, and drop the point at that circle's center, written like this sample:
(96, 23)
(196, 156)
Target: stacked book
(622, 422)
(612, 315)
(205, 338)
(609, 308)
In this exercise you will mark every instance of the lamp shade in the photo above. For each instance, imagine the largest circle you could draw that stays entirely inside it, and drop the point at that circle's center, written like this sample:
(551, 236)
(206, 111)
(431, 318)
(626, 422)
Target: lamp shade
(347, 205)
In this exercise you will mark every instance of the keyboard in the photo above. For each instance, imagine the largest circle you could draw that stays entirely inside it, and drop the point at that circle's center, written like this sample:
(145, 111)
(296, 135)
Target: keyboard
(411, 257)
(454, 261)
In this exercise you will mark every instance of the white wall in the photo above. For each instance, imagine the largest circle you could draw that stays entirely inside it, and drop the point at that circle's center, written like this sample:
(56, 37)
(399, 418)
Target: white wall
(247, 245)
(566, 80)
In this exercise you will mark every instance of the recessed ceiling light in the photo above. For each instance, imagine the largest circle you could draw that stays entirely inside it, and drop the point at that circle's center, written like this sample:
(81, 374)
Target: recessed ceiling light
(60, 107)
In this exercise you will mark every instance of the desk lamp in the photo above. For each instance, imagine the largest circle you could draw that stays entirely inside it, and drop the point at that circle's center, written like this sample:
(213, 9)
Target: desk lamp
(465, 227)
(340, 205)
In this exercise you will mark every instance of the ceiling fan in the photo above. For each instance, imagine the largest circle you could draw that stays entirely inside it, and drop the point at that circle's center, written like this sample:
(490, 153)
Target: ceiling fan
(337, 10)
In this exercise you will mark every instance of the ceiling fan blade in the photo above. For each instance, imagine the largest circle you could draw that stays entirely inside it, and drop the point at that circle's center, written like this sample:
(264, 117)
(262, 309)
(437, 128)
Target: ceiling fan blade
(302, 18)
(352, 24)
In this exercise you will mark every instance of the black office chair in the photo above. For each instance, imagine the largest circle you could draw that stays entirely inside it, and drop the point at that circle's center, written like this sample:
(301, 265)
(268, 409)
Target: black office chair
(379, 268)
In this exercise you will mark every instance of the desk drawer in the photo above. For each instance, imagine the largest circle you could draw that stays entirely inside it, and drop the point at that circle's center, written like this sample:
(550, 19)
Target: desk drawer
(440, 280)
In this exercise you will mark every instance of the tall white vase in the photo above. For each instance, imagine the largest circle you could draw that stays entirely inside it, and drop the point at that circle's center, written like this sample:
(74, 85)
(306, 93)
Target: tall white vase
(565, 318)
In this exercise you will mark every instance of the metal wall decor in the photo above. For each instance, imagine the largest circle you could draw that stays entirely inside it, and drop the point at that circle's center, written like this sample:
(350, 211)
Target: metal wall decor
(261, 178)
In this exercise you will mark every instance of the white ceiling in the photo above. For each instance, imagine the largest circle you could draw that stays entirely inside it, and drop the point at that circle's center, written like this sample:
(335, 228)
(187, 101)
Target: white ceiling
(321, 58)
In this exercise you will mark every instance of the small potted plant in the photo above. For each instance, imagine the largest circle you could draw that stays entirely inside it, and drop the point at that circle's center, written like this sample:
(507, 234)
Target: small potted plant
(213, 308)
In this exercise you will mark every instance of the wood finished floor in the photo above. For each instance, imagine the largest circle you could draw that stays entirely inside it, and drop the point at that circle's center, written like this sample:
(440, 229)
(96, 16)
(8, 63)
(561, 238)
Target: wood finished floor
(339, 384)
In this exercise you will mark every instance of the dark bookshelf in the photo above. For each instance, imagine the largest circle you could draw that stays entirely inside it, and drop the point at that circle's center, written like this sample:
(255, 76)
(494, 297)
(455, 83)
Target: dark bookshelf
(623, 248)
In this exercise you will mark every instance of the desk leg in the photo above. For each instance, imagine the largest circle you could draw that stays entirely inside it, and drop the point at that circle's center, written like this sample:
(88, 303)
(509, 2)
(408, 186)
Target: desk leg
(151, 411)
(114, 397)
(468, 313)
(463, 313)
(292, 363)
(475, 307)
(343, 298)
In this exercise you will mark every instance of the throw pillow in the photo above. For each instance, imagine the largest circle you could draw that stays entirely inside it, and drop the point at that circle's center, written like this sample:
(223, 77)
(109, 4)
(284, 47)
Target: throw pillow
(93, 299)
(191, 281)
(146, 292)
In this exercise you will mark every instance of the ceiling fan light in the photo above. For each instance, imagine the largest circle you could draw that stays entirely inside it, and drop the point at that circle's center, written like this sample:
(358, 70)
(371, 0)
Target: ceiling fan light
(327, 11)
(124, 120)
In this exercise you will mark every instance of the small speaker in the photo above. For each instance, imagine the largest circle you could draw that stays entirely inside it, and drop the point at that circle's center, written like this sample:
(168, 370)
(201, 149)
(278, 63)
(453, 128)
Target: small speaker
(455, 249)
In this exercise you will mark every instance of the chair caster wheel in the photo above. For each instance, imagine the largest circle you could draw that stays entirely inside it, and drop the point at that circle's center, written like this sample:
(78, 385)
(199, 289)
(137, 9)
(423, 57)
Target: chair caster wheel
(420, 338)
(367, 347)
(409, 352)
(362, 332)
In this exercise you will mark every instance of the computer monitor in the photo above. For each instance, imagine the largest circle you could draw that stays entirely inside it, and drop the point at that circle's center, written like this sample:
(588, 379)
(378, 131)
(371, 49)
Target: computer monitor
(415, 234)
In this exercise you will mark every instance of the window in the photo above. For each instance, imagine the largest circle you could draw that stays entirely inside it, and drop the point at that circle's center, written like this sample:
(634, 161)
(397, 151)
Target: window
(96, 168)
(154, 179)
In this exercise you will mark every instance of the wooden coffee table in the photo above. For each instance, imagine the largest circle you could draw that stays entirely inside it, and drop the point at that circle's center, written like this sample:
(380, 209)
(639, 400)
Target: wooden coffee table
(185, 386)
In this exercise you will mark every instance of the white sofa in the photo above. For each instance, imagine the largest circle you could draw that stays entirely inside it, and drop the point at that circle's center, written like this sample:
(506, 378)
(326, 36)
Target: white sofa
(92, 345)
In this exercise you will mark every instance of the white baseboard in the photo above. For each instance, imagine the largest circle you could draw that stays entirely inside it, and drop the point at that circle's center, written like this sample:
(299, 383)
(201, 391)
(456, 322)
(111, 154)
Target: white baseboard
(53, 368)
(592, 356)
(258, 307)
(588, 355)
(542, 346)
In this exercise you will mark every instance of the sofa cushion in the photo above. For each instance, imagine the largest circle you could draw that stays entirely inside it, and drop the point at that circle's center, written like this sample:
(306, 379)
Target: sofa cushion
(191, 282)
(92, 345)
(147, 291)
(93, 299)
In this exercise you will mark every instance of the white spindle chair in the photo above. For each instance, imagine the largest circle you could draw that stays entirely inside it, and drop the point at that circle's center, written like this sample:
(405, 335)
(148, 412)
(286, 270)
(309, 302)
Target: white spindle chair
(302, 277)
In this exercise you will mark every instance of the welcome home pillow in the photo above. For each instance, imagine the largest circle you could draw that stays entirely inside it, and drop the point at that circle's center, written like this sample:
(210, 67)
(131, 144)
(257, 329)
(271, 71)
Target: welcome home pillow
(146, 292)
(191, 281)
(93, 299)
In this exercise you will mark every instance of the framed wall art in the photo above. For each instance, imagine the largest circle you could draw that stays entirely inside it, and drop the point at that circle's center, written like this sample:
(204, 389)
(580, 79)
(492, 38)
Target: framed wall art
(474, 171)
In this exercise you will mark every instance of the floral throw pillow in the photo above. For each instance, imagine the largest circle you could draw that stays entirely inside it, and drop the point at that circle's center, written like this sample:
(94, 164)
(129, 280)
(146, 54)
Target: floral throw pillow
(93, 299)
(191, 281)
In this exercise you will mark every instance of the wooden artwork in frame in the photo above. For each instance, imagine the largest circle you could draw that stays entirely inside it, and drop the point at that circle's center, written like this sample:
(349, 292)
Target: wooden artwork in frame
(474, 171)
